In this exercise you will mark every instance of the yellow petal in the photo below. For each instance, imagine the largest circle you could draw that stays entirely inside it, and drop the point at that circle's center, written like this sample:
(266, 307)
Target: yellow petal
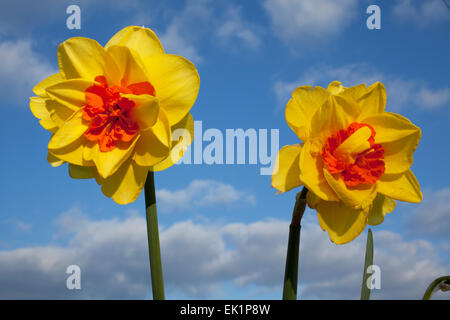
(79, 172)
(83, 58)
(312, 200)
(182, 137)
(125, 185)
(359, 197)
(130, 67)
(373, 101)
(161, 129)
(398, 155)
(391, 127)
(355, 92)
(73, 153)
(59, 113)
(176, 84)
(301, 107)
(335, 87)
(342, 222)
(381, 205)
(70, 131)
(39, 110)
(146, 110)
(286, 174)
(311, 173)
(54, 162)
(39, 89)
(149, 150)
(70, 93)
(108, 163)
(335, 114)
(141, 40)
(403, 187)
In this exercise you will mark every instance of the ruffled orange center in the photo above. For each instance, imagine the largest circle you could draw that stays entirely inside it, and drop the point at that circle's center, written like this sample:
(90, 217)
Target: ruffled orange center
(364, 166)
(109, 114)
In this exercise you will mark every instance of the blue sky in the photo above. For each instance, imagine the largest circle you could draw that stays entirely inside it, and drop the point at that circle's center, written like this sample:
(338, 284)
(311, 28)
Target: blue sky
(223, 229)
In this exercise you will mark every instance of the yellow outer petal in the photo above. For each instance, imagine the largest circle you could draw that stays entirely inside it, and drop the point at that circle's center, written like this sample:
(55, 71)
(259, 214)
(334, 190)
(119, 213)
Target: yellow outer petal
(403, 187)
(381, 205)
(335, 114)
(39, 89)
(184, 132)
(286, 174)
(59, 113)
(108, 163)
(312, 200)
(398, 155)
(391, 127)
(155, 143)
(176, 83)
(79, 172)
(70, 93)
(335, 87)
(83, 58)
(355, 92)
(373, 101)
(39, 110)
(54, 162)
(131, 69)
(70, 131)
(125, 185)
(311, 173)
(73, 153)
(301, 107)
(343, 223)
(143, 41)
(360, 197)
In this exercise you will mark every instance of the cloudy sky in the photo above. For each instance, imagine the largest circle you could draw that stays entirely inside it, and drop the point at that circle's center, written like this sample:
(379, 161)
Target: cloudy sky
(223, 229)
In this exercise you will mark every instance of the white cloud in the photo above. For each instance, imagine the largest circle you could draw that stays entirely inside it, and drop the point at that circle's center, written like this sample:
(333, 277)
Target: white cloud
(185, 28)
(432, 216)
(234, 26)
(202, 193)
(401, 92)
(433, 99)
(309, 20)
(198, 258)
(422, 13)
(22, 68)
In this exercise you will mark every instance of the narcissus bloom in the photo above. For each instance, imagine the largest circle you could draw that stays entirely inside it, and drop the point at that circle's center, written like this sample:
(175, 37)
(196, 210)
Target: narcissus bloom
(112, 110)
(355, 157)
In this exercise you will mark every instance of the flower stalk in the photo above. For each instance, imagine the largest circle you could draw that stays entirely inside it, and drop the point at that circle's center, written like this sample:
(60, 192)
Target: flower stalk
(368, 261)
(291, 270)
(441, 283)
(153, 238)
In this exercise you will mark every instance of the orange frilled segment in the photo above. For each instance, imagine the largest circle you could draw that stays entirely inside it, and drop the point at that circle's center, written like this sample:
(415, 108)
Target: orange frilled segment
(109, 114)
(368, 166)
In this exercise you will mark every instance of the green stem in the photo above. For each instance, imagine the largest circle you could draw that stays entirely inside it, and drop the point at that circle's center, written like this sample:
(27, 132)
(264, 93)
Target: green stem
(291, 270)
(153, 238)
(368, 261)
(434, 286)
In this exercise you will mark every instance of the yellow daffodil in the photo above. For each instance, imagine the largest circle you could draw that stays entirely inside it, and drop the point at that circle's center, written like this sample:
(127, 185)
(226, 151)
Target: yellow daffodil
(112, 109)
(355, 157)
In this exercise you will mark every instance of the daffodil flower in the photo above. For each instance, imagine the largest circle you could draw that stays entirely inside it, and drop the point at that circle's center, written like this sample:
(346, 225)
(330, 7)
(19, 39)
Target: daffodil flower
(112, 109)
(354, 158)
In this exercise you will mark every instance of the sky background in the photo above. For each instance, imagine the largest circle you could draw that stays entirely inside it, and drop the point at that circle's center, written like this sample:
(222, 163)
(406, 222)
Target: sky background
(223, 229)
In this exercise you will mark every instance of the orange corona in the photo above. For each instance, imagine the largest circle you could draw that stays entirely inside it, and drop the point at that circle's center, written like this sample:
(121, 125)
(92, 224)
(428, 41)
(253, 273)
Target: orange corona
(365, 167)
(109, 114)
